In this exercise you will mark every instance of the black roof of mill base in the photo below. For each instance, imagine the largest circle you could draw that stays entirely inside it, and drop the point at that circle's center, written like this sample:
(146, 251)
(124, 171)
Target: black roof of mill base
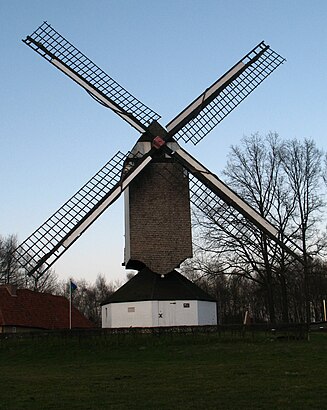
(147, 285)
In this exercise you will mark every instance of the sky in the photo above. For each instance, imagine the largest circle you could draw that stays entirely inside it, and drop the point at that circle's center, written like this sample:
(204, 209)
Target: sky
(54, 137)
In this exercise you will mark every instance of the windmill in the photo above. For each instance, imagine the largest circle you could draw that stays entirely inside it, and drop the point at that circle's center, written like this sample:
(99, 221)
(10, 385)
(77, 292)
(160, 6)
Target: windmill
(158, 176)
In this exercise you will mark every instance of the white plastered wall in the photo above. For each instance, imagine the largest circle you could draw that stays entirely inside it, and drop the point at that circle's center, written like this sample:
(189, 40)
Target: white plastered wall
(159, 313)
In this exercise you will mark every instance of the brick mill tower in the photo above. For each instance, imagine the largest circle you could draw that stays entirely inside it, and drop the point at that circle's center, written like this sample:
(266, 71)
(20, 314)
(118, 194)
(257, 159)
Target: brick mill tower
(157, 211)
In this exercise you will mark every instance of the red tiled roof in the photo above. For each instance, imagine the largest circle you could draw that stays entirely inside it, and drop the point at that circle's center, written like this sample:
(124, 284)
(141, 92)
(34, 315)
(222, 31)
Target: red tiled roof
(38, 310)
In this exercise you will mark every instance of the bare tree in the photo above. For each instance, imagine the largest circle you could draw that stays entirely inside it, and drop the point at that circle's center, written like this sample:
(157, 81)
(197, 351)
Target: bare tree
(324, 174)
(46, 283)
(302, 163)
(281, 181)
(9, 272)
(253, 171)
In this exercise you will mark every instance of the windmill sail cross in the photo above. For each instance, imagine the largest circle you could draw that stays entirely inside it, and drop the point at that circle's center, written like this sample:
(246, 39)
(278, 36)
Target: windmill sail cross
(154, 179)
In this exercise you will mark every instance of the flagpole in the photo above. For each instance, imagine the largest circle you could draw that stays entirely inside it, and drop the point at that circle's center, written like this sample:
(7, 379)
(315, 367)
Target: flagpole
(72, 287)
(70, 305)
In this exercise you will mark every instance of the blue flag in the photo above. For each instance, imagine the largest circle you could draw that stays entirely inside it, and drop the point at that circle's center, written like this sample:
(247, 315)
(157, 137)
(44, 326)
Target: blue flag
(73, 286)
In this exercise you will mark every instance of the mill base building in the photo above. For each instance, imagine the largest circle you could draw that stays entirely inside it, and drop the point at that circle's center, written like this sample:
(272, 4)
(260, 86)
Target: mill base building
(151, 300)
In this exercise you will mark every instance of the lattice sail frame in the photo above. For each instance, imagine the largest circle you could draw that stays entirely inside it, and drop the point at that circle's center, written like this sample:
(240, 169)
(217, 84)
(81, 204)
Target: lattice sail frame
(41, 249)
(215, 103)
(230, 223)
(54, 47)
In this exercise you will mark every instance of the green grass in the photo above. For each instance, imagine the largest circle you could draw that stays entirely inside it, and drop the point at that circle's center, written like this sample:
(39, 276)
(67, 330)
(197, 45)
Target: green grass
(163, 372)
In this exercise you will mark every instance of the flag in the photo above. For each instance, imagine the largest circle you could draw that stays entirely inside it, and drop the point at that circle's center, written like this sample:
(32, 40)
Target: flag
(73, 286)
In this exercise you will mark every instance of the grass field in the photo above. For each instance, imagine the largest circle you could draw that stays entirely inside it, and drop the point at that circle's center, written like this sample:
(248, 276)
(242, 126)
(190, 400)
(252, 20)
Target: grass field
(202, 371)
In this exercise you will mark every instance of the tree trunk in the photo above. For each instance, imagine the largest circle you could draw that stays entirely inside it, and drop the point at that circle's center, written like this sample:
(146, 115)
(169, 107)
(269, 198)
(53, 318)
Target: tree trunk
(270, 299)
(284, 297)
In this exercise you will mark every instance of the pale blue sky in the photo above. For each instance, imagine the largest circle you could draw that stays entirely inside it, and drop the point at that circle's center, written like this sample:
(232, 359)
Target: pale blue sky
(53, 136)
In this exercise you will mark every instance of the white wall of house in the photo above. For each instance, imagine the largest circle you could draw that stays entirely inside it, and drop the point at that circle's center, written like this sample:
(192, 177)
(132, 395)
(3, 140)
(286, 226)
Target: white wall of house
(159, 313)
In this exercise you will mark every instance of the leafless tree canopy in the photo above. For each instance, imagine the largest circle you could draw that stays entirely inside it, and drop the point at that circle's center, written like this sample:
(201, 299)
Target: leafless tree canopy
(283, 181)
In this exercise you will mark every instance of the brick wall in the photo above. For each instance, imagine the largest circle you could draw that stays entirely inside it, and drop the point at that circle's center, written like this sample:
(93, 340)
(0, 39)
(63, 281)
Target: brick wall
(159, 231)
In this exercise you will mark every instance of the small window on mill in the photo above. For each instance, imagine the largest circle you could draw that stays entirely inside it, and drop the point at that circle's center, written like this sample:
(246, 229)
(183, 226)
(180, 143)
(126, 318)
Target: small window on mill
(131, 309)
(186, 305)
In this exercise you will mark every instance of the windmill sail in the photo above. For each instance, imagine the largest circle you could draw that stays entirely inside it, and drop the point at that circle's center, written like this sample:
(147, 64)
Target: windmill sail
(232, 226)
(41, 249)
(240, 209)
(216, 102)
(57, 50)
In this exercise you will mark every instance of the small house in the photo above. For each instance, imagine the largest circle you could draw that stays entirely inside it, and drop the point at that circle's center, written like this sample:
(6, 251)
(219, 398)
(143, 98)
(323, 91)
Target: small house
(22, 310)
(152, 300)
